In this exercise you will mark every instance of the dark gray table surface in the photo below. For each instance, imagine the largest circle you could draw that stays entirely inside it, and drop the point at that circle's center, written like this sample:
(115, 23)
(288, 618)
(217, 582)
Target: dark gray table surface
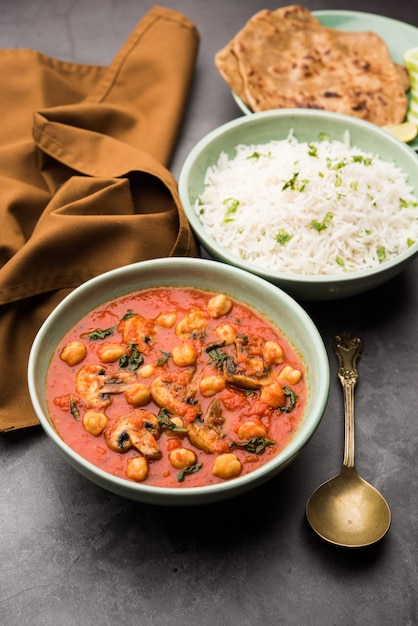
(72, 553)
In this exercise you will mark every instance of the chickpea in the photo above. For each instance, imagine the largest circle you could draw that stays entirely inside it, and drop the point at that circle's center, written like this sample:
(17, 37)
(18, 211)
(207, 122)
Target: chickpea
(251, 428)
(137, 468)
(225, 333)
(226, 466)
(210, 385)
(182, 457)
(73, 353)
(176, 419)
(273, 395)
(146, 371)
(219, 305)
(94, 422)
(272, 352)
(138, 394)
(166, 320)
(290, 375)
(184, 354)
(110, 352)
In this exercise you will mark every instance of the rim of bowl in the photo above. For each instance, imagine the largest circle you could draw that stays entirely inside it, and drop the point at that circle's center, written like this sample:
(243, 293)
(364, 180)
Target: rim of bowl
(171, 493)
(221, 252)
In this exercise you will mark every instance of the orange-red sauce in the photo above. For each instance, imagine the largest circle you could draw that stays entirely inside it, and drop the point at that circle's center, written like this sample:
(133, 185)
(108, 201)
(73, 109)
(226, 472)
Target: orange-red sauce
(67, 406)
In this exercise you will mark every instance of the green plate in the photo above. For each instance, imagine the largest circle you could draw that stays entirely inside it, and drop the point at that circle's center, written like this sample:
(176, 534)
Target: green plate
(397, 35)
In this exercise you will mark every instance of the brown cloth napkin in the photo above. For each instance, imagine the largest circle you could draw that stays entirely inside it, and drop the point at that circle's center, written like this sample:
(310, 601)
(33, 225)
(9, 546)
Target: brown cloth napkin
(84, 185)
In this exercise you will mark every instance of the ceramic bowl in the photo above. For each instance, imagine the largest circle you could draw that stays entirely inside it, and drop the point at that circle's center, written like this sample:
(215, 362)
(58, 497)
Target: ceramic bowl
(207, 274)
(307, 125)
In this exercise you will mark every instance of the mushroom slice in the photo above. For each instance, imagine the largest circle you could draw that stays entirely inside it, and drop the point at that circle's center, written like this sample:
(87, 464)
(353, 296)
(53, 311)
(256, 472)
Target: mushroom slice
(207, 434)
(137, 429)
(175, 392)
(247, 370)
(95, 385)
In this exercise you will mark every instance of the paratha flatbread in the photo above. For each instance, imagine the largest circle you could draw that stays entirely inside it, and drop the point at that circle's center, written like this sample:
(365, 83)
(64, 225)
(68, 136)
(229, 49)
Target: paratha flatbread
(287, 59)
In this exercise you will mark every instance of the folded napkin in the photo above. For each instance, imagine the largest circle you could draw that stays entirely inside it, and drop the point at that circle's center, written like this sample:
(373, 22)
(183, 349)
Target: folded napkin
(84, 152)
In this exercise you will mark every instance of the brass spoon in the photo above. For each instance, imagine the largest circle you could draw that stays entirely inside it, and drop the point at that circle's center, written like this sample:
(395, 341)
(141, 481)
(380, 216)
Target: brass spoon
(346, 510)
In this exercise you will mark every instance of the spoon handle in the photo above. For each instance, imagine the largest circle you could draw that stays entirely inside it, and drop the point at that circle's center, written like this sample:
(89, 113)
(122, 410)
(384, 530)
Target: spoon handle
(347, 348)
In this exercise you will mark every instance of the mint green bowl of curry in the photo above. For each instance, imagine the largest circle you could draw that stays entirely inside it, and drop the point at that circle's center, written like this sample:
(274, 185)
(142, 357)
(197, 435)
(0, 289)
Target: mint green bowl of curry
(179, 381)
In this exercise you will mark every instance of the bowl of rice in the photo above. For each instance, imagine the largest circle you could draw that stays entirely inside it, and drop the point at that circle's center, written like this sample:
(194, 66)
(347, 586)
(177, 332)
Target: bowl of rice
(321, 204)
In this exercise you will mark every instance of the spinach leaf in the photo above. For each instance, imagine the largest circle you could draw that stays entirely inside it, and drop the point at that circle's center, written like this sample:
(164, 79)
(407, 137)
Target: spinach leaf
(188, 470)
(255, 445)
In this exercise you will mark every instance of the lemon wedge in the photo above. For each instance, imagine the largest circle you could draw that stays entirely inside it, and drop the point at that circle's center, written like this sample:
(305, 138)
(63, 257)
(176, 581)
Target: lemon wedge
(407, 131)
(410, 59)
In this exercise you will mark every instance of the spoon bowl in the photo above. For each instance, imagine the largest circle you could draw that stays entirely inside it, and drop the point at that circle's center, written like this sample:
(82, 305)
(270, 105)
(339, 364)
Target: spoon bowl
(347, 511)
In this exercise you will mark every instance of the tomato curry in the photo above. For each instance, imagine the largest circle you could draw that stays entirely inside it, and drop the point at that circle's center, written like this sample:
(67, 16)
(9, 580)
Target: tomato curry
(176, 386)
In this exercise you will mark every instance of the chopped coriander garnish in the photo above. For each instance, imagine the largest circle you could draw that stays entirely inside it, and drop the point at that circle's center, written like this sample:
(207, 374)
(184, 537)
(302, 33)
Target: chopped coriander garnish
(332, 165)
(312, 150)
(291, 183)
(283, 237)
(294, 184)
(358, 158)
(381, 253)
(322, 225)
(232, 205)
(258, 155)
(405, 204)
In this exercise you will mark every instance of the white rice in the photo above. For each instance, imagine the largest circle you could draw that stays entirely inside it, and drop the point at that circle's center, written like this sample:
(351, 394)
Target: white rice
(309, 208)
